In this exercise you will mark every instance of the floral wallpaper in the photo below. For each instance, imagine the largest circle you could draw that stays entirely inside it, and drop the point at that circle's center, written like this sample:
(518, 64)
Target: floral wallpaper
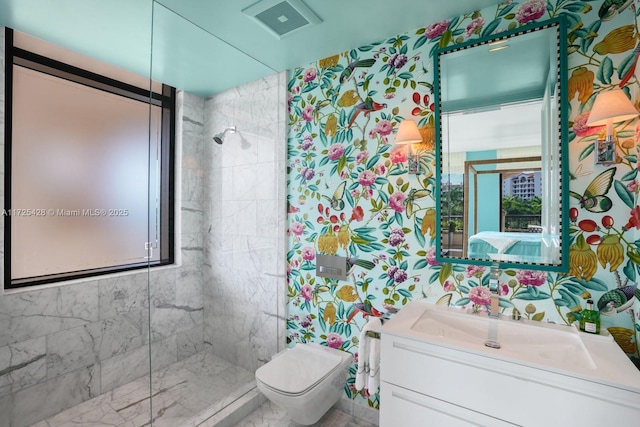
(350, 194)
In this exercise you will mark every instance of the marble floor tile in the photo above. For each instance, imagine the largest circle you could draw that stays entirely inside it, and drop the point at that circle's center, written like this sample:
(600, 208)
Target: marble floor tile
(270, 415)
(180, 392)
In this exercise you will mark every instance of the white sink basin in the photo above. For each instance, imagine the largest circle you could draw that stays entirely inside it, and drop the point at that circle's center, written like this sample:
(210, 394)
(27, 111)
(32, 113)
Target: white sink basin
(524, 340)
(557, 348)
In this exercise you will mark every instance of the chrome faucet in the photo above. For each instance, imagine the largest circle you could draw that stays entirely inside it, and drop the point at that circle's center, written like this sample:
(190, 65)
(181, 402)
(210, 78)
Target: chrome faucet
(494, 287)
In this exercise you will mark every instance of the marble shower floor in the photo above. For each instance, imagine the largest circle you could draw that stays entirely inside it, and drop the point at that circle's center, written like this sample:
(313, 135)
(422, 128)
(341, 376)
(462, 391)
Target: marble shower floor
(184, 394)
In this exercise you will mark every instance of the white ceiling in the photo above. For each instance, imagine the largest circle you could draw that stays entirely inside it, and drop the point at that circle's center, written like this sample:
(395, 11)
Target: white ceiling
(207, 46)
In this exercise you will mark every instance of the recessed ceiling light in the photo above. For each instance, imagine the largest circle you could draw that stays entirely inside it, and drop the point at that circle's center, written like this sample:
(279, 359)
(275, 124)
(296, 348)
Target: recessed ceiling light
(282, 17)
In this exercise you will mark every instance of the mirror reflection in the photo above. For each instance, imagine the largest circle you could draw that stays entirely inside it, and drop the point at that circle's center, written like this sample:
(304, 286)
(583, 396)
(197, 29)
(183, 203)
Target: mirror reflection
(500, 164)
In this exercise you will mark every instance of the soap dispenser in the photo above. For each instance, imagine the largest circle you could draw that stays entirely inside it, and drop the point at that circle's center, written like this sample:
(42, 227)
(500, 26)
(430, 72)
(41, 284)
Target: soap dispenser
(590, 319)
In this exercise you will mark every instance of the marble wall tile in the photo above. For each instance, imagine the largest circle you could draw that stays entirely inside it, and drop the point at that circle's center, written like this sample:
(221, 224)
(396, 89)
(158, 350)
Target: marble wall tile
(122, 295)
(190, 342)
(35, 403)
(22, 365)
(30, 314)
(247, 224)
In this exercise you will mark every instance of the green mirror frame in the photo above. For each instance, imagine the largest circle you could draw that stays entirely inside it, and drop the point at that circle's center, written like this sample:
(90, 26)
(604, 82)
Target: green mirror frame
(562, 263)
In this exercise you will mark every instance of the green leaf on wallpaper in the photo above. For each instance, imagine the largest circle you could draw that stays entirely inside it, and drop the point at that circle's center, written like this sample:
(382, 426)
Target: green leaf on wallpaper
(505, 303)
(404, 293)
(571, 299)
(419, 236)
(446, 38)
(405, 75)
(538, 317)
(531, 295)
(398, 217)
(586, 151)
(595, 284)
(630, 176)
(421, 40)
(507, 9)
(625, 65)
(625, 195)
(365, 264)
(372, 161)
(574, 288)
(462, 301)
(629, 270)
(605, 70)
(633, 158)
(629, 133)
(490, 27)
(420, 264)
(445, 272)
(434, 276)
(575, 7)
(560, 302)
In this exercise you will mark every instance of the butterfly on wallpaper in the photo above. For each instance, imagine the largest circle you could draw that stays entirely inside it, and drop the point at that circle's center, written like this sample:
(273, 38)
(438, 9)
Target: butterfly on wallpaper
(594, 198)
(336, 200)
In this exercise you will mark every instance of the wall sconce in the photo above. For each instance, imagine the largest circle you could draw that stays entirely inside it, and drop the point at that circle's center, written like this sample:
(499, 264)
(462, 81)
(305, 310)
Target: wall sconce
(408, 133)
(611, 106)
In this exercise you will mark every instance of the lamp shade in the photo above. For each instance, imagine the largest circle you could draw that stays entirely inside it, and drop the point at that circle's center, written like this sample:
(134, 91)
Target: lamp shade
(611, 105)
(408, 133)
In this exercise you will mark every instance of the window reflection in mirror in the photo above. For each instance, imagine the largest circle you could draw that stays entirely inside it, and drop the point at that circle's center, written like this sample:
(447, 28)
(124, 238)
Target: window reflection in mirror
(500, 140)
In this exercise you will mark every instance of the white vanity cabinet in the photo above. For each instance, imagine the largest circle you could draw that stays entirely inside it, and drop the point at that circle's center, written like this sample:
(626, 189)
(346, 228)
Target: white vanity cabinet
(427, 381)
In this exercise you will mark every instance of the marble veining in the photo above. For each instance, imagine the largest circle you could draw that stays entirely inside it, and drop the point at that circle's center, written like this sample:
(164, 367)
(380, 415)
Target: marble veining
(200, 384)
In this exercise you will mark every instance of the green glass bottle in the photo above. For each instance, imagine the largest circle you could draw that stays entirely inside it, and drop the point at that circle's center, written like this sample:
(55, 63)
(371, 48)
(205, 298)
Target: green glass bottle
(590, 319)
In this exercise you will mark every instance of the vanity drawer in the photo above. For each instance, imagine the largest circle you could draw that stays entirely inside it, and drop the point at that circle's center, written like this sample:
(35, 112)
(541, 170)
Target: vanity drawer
(406, 408)
(495, 387)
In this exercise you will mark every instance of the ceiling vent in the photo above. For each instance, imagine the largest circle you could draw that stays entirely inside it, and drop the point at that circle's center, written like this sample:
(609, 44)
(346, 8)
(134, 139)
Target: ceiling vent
(282, 17)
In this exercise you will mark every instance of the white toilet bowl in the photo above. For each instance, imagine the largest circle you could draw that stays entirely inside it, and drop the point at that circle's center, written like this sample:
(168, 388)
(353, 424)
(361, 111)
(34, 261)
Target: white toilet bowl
(305, 381)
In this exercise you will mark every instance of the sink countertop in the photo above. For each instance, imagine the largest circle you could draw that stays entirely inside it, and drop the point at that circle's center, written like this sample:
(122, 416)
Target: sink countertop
(600, 359)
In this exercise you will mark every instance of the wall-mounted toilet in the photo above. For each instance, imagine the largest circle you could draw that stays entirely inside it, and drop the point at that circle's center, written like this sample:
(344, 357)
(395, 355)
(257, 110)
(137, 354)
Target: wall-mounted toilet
(305, 380)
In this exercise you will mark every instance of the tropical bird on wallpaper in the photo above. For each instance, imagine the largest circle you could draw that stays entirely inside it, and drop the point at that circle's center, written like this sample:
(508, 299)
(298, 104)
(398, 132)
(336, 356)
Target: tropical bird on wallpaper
(358, 63)
(610, 8)
(366, 107)
(632, 70)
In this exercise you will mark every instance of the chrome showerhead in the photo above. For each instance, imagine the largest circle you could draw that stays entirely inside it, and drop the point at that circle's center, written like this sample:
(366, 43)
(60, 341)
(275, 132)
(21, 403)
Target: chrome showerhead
(219, 137)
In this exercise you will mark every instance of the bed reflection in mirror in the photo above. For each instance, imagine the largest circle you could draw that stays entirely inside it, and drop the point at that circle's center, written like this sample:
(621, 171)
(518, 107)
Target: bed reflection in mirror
(500, 160)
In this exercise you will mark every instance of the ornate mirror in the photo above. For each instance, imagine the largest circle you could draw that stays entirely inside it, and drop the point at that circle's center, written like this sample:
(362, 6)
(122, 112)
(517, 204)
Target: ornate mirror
(501, 149)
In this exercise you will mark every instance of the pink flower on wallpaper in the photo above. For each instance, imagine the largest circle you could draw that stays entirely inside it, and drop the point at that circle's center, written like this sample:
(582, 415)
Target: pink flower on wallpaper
(399, 155)
(309, 74)
(474, 26)
(297, 228)
(634, 221)
(383, 127)
(396, 201)
(531, 277)
(580, 127)
(362, 157)
(334, 340)
(389, 94)
(308, 253)
(306, 292)
(436, 29)
(480, 295)
(367, 193)
(307, 142)
(503, 289)
(449, 286)
(431, 256)
(530, 10)
(335, 151)
(380, 169)
(357, 214)
(633, 186)
(474, 271)
(367, 178)
(307, 113)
